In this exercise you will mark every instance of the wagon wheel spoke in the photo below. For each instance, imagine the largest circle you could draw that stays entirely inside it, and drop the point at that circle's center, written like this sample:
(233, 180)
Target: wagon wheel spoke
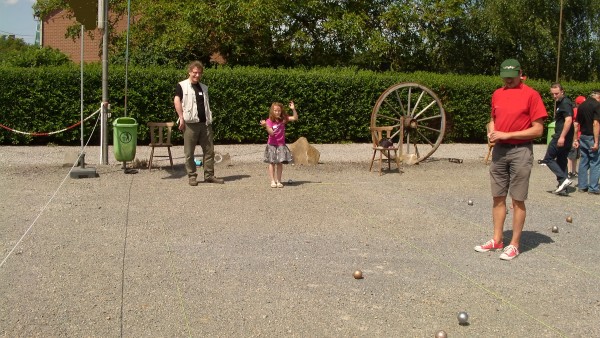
(430, 118)
(428, 128)
(423, 115)
(417, 105)
(400, 103)
(390, 118)
(426, 139)
(425, 109)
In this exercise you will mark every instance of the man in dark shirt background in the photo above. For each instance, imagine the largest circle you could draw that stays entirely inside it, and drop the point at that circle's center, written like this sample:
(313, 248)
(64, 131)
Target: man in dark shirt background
(588, 122)
(562, 140)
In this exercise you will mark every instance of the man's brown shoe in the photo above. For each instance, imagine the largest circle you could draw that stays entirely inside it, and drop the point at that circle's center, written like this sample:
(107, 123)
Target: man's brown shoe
(193, 181)
(213, 179)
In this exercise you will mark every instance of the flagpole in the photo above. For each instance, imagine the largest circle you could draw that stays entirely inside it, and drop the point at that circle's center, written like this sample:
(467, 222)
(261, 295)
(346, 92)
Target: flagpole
(559, 40)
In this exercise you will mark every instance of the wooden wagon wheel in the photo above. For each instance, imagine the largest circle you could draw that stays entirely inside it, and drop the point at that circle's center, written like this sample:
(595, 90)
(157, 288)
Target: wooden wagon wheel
(424, 117)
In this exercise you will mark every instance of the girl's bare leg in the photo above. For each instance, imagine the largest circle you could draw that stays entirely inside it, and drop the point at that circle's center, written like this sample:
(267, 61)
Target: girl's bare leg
(279, 171)
(272, 172)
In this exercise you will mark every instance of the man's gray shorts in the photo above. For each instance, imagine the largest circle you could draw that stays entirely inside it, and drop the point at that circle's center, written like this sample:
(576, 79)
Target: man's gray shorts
(510, 170)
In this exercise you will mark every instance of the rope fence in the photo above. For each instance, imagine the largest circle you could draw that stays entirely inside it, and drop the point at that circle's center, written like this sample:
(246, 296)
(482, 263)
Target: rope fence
(48, 133)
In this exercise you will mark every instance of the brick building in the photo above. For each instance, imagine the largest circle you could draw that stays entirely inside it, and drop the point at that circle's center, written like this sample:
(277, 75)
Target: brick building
(53, 30)
(54, 27)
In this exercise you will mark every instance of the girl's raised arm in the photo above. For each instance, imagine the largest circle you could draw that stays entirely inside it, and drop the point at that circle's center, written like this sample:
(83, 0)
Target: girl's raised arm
(293, 108)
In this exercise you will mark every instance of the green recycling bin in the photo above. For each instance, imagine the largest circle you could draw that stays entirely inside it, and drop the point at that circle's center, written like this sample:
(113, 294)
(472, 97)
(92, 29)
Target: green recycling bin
(124, 138)
(550, 132)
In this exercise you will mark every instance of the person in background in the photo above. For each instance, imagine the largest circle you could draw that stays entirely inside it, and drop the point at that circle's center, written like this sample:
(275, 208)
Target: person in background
(276, 152)
(588, 122)
(560, 144)
(195, 121)
(574, 152)
(517, 117)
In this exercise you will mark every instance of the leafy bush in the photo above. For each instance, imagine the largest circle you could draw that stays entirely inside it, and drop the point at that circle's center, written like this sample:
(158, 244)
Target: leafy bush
(16, 53)
(334, 104)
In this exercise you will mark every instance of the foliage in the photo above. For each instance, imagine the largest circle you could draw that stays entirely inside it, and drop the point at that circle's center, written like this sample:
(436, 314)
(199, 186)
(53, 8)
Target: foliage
(334, 104)
(443, 36)
(15, 52)
(10, 44)
(43, 8)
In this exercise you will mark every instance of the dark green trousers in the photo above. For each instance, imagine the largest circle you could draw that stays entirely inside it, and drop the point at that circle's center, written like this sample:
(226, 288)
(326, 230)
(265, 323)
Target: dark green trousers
(193, 134)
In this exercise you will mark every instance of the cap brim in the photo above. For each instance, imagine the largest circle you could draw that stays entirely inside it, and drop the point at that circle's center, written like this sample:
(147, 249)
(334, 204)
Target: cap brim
(509, 73)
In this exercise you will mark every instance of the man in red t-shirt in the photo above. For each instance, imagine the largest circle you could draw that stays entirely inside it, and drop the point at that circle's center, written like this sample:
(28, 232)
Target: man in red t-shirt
(517, 118)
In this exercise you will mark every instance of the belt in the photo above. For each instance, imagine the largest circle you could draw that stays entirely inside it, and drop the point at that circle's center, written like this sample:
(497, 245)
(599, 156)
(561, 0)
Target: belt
(509, 145)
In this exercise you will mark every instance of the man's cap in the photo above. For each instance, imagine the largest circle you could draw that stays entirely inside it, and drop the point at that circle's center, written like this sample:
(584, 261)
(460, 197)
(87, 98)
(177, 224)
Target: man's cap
(579, 99)
(510, 68)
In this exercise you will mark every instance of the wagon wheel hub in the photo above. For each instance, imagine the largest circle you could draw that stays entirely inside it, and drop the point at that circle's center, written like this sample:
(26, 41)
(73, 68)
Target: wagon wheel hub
(410, 124)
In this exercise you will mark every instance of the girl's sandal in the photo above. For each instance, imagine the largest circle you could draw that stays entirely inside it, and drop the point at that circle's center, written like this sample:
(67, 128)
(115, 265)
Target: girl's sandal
(279, 185)
(273, 185)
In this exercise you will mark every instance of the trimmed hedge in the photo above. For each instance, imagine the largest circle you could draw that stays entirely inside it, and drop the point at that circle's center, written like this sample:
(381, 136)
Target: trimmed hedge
(334, 105)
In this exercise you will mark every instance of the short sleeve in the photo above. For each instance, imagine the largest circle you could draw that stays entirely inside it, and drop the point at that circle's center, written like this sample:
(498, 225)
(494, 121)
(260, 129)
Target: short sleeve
(179, 91)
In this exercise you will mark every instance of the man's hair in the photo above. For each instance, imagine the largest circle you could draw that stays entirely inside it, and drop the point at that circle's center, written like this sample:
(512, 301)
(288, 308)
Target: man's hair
(595, 92)
(195, 64)
(557, 85)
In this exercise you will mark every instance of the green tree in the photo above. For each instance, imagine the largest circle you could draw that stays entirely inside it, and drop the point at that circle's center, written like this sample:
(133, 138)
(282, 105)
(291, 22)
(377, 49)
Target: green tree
(17, 53)
(465, 37)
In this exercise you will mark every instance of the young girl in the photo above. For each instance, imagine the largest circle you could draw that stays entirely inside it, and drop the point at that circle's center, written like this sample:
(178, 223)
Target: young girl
(276, 152)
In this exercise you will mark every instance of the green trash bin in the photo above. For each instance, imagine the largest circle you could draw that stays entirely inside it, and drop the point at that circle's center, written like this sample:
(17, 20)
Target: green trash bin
(550, 132)
(124, 138)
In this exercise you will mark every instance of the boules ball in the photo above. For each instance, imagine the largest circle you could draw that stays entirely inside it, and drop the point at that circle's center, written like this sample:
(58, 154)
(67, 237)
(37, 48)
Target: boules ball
(441, 334)
(555, 229)
(357, 274)
(569, 219)
(463, 318)
(470, 202)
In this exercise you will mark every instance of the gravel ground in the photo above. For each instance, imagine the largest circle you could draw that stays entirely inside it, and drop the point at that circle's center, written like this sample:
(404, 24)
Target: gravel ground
(249, 153)
(147, 255)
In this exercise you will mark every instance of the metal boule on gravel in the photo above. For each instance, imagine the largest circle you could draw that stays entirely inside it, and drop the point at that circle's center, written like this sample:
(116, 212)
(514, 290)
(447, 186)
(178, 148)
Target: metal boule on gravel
(555, 229)
(463, 318)
(357, 274)
(441, 334)
(569, 219)
(470, 202)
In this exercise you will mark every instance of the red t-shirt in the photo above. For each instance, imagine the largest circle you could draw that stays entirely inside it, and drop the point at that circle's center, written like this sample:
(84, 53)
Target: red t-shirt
(514, 109)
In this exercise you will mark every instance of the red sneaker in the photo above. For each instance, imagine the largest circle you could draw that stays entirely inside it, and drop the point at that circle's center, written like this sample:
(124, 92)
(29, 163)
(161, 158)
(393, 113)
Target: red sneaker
(489, 245)
(509, 253)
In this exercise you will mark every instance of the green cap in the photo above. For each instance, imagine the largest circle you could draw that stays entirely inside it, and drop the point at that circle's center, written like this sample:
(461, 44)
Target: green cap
(510, 68)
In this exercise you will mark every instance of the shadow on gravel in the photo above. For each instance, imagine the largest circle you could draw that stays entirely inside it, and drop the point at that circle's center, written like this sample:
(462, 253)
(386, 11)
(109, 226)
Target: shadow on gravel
(177, 172)
(234, 177)
(299, 183)
(530, 239)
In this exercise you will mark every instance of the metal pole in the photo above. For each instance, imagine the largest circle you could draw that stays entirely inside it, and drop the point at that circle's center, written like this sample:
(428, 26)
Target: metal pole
(81, 89)
(104, 114)
(559, 40)
(127, 53)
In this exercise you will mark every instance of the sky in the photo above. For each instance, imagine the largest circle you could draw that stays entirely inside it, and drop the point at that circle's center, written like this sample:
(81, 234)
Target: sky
(16, 18)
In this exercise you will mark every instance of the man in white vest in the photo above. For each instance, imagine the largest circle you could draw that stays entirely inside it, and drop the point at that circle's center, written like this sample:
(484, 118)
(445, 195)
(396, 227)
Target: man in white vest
(195, 121)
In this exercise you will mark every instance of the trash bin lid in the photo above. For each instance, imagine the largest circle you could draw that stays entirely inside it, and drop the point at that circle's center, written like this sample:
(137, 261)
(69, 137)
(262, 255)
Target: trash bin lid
(126, 121)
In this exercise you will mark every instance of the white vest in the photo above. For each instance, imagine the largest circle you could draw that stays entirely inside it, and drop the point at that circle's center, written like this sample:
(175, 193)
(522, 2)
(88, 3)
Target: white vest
(189, 104)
